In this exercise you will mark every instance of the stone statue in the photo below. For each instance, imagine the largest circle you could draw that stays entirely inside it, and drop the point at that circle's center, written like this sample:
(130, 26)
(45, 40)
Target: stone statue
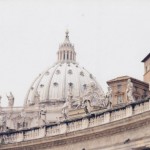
(89, 92)
(10, 100)
(108, 97)
(92, 94)
(129, 91)
(65, 109)
(43, 113)
(87, 106)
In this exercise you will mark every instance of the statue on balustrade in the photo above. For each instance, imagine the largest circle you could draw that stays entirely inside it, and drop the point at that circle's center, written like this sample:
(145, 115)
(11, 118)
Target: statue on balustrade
(10, 100)
(93, 98)
(65, 108)
(87, 106)
(67, 105)
(43, 112)
(129, 92)
(108, 97)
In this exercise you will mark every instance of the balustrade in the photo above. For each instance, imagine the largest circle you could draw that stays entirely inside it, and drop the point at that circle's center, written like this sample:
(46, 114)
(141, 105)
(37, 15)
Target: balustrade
(62, 128)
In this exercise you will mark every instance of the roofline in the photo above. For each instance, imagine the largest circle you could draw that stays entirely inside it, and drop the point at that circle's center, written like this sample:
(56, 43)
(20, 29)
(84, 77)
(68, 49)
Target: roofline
(146, 58)
(126, 78)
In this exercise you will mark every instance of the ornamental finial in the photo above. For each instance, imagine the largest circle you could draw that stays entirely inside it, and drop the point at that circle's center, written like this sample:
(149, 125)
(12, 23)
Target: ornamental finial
(67, 32)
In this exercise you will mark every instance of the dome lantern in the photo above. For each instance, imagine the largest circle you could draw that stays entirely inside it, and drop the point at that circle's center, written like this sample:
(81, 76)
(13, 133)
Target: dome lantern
(66, 51)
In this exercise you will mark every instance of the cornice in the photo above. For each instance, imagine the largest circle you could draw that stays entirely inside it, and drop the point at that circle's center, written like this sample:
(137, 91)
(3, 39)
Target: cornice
(126, 124)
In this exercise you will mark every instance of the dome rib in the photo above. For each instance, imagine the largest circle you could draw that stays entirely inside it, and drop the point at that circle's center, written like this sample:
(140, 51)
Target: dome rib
(50, 81)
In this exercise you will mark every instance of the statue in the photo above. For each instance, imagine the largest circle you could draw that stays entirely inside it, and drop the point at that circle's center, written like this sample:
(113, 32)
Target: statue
(43, 113)
(109, 97)
(129, 91)
(10, 100)
(93, 95)
(87, 106)
(65, 109)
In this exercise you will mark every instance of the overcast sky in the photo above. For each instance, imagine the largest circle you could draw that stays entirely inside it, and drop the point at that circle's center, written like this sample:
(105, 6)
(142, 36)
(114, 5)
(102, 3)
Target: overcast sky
(111, 37)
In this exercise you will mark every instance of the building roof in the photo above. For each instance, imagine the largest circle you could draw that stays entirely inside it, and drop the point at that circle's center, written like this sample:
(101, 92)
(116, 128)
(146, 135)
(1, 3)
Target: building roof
(147, 57)
(126, 78)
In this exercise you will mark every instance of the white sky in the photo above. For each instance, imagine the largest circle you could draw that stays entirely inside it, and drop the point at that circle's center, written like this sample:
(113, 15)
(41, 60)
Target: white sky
(111, 37)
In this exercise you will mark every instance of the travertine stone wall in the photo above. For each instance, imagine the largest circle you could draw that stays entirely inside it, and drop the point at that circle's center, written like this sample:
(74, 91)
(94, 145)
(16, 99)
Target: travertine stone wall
(123, 128)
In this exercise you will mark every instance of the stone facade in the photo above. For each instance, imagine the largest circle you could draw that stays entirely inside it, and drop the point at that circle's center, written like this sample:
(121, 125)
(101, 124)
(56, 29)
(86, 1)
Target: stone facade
(146, 62)
(119, 89)
(124, 128)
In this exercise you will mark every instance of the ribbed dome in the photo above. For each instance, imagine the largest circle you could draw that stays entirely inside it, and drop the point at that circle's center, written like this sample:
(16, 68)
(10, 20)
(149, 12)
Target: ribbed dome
(52, 86)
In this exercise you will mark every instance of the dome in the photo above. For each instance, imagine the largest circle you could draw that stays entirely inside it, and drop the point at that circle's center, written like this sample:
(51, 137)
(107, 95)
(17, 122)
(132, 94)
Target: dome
(53, 85)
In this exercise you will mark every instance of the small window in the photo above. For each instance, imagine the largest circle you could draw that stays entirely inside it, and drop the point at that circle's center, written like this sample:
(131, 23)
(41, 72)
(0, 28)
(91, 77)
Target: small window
(47, 73)
(119, 87)
(69, 71)
(55, 84)
(57, 71)
(82, 73)
(136, 88)
(41, 85)
(25, 124)
(91, 76)
(145, 93)
(32, 88)
(70, 84)
(146, 68)
(119, 99)
(18, 125)
(84, 86)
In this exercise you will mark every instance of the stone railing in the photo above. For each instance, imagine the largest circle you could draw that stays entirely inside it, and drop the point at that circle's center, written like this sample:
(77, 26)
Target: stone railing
(88, 121)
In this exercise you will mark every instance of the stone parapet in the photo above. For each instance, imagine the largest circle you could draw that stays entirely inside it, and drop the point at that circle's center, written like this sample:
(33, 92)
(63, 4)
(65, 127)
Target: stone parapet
(68, 126)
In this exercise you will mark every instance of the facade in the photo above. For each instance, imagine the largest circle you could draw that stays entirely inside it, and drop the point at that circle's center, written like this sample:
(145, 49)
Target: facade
(66, 108)
(140, 90)
(146, 62)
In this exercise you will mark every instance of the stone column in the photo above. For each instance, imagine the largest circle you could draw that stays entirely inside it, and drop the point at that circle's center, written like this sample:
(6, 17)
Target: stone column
(63, 128)
(129, 111)
(85, 123)
(106, 117)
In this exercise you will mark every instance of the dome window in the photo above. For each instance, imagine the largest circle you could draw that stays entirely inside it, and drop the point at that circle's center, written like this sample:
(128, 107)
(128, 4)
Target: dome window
(69, 71)
(91, 76)
(55, 84)
(70, 84)
(47, 73)
(57, 71)
(82, 73)
(41, 85)
(84, 86)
